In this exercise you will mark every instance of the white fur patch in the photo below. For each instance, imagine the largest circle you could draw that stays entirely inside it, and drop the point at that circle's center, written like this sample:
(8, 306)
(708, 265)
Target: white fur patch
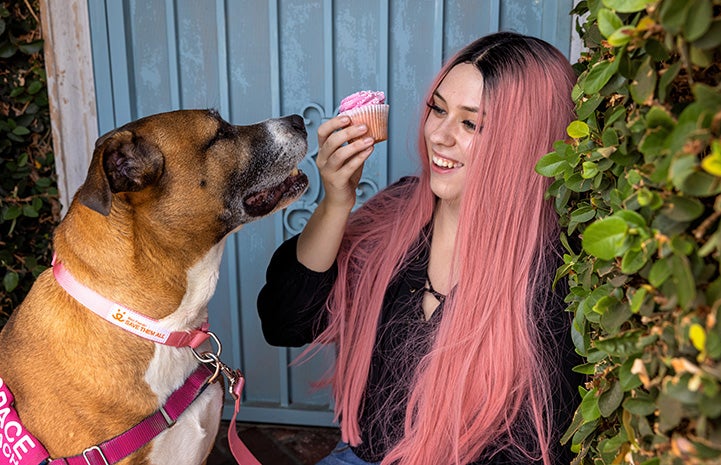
(280, 131)
(201, 281)
(191, 438)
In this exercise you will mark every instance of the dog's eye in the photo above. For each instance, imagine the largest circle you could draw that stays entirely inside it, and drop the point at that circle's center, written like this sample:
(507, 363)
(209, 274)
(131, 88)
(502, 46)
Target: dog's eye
(224, 131)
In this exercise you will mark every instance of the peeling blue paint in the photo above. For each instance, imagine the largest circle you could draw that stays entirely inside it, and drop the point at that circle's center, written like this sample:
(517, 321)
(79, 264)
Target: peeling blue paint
(258, 59)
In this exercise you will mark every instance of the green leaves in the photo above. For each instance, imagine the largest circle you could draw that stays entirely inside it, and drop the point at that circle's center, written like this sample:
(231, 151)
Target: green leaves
(627, 6)
(578, 130)
(637, 187)
(605, 238)
(613, 29)
(10, 281)
(643, 87)
(608, 22)
(598, 76)
(28, 193)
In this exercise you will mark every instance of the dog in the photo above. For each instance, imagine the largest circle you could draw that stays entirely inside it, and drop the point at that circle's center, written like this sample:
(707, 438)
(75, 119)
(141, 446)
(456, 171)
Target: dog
(146, 230)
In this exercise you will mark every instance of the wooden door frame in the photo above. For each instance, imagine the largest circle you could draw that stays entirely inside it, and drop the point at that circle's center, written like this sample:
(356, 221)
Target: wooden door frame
(71, 90)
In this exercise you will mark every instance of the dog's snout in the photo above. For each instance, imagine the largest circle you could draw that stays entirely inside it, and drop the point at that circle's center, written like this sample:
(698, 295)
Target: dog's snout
(297, 123)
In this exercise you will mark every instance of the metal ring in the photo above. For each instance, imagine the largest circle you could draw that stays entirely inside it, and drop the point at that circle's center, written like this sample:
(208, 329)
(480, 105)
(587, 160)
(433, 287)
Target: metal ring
(99, 451)
(215, 375)
(204, 357)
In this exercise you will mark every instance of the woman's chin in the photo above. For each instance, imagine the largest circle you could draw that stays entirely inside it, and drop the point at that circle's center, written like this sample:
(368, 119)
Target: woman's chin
(447, 189)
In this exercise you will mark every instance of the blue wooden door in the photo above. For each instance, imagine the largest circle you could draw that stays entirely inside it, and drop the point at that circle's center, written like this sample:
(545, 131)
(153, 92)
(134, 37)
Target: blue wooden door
(253, 60)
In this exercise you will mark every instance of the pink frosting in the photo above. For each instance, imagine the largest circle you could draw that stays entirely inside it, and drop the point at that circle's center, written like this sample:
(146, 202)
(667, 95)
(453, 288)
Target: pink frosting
(362, 98)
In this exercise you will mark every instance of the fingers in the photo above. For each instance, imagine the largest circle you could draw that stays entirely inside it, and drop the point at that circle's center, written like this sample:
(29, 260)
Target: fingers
(335, 132)
(334, 157)
(330, 126)
(346, 162)
(341, 181)
(342, 151)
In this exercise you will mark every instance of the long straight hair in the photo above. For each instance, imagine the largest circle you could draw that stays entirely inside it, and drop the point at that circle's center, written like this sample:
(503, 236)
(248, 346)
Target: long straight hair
(486, 370)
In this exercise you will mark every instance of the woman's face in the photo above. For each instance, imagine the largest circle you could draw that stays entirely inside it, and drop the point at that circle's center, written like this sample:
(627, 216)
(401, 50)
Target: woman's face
(450, 128)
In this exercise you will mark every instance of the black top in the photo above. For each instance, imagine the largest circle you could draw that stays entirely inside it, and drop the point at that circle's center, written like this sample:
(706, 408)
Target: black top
(291, 309)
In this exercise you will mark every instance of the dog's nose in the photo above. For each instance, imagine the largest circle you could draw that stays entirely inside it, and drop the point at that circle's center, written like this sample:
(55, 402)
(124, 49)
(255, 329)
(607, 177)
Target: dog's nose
(297, 123)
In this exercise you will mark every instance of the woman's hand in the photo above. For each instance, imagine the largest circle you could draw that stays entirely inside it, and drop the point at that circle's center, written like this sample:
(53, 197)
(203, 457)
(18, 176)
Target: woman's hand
(340, 165)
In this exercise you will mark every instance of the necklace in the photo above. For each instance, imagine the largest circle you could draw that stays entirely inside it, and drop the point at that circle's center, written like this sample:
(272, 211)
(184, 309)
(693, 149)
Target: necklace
(429, 288)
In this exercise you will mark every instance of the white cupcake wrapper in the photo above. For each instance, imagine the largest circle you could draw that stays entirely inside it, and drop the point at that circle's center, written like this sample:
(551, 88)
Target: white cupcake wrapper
(373, 116)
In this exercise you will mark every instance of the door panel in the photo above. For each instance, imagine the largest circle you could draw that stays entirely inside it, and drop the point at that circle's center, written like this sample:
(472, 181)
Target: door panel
(254, 60)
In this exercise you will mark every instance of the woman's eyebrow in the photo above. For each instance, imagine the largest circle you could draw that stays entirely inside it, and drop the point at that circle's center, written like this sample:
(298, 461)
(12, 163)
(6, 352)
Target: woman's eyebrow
(435, 93)
(463, 107)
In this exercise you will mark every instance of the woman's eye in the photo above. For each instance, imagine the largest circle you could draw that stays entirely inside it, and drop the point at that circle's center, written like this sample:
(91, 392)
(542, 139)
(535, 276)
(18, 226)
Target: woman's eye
(470, 125)
(436, 109)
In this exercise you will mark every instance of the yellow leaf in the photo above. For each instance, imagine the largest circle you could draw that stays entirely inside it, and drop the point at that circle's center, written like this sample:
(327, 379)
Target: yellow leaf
(645, 24)
(578, 129)
(698, 337)
(621, 36)
(712, 162)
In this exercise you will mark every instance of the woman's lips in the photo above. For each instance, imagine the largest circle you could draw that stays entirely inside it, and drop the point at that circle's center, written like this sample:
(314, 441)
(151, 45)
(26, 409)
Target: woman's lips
(445, 163)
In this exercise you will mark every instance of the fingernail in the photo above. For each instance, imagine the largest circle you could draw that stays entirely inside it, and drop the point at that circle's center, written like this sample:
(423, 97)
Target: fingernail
(368, 140)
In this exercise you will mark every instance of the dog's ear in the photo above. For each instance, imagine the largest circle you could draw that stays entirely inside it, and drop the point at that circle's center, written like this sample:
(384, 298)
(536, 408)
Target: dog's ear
(122, 162)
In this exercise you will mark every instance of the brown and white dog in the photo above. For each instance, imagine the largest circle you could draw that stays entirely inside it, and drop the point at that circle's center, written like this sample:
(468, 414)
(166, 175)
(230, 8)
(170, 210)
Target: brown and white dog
(146, 230)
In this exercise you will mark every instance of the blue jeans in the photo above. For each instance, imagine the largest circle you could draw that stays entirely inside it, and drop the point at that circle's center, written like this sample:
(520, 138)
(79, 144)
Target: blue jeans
(343, 455)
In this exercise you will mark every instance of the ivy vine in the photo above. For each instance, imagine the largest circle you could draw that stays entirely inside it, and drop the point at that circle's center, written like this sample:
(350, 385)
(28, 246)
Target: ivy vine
(29, 207)
(639, 179)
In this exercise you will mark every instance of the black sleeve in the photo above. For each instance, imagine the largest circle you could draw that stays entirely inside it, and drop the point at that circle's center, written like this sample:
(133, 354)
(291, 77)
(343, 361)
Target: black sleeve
(564, 381)
(291, 304)
(566, 398)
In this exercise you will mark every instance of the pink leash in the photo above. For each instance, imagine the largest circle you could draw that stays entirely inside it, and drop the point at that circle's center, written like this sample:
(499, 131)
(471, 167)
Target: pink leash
(236, 381)
(237, 447)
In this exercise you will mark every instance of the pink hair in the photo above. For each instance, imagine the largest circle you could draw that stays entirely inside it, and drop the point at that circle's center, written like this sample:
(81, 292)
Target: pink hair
(486, 370)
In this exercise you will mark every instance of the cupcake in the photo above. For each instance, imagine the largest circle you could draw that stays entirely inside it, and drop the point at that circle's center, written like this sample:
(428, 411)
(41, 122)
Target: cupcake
(367, 107)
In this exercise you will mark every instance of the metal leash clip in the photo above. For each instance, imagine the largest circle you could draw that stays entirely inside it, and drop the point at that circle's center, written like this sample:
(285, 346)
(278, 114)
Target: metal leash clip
(213, 359)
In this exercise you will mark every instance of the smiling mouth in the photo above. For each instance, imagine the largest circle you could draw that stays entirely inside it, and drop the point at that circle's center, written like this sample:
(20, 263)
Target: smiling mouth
(446, 163)
(279, 196)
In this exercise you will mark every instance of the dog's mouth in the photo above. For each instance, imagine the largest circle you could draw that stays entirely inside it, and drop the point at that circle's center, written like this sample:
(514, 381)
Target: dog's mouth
(280, 196)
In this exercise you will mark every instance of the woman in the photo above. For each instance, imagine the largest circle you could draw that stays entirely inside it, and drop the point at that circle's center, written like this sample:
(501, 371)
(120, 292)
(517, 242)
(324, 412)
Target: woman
(437, 291)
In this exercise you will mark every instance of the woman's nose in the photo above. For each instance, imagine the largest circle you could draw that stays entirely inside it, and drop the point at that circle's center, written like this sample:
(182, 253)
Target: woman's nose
(442, 134)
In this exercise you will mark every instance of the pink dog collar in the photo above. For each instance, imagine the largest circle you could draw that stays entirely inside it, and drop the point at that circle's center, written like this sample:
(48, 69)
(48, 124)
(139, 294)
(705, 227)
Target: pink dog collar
(126, 318)
(148, 328)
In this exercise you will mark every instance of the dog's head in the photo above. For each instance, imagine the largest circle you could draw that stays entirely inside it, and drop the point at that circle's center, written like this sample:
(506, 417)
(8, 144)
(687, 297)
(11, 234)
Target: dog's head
(191, 169)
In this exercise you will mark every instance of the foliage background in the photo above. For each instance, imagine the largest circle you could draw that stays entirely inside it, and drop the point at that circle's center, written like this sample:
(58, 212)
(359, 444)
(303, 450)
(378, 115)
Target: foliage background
(29, 208)
(639, 179)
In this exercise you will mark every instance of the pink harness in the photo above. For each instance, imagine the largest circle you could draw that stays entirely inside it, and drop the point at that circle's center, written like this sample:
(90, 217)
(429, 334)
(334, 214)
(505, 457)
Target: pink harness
(20, 447)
